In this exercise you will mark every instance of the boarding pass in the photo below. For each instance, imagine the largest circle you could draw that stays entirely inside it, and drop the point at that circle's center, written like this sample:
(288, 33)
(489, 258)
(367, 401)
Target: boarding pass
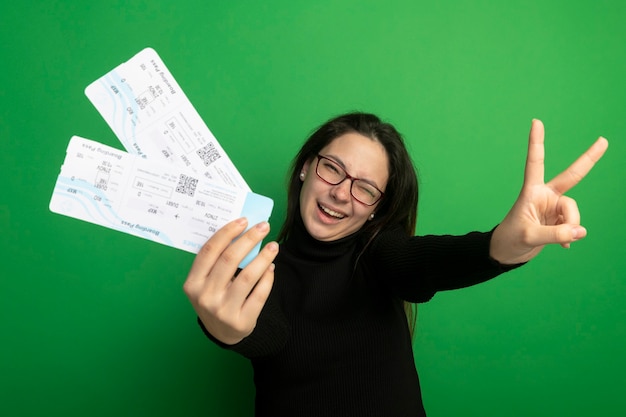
(152, 117)
(153, 200)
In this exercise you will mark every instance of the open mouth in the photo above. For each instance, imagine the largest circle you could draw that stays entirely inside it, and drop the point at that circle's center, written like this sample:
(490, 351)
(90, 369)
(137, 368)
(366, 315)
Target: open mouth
(331, 213)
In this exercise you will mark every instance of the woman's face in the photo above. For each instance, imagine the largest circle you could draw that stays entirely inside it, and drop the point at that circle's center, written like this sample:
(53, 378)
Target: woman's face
(329, 211)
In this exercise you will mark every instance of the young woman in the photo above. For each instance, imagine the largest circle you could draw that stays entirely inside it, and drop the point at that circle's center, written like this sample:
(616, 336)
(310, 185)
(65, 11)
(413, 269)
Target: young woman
(324, 321)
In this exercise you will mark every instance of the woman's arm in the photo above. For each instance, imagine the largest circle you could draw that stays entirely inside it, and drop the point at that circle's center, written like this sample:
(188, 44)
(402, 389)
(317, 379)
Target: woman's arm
(416, 267)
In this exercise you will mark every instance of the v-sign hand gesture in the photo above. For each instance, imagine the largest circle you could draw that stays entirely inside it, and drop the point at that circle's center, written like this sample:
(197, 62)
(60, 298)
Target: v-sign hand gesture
(542, 214)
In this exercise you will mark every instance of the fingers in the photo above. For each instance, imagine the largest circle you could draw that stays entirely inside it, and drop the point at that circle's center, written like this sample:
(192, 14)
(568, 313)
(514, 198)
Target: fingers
(220, 256)
(248, 286)
(228, 261)
(580, 168)
(235, 313)
(568, 209)
(570, 215)
(562, 234)
(535, 161)
(564, 227)
(229, 307)
(256, 299)
(534, 171)
(213, 248)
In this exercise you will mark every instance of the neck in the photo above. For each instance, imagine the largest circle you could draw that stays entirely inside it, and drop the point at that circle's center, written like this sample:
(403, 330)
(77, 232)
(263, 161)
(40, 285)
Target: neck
(302, 244)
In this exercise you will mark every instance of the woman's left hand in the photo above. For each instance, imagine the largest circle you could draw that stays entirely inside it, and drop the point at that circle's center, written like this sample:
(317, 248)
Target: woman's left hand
(542, 214)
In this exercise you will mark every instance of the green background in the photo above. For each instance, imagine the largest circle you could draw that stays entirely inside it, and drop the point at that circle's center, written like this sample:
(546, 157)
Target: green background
(94, 322)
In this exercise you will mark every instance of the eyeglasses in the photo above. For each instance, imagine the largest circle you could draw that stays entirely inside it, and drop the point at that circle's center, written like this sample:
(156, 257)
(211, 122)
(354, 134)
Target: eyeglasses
(332, 173)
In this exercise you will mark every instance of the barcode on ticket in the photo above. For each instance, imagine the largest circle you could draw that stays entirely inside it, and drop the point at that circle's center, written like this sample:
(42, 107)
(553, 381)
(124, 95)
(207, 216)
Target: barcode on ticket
(186, 185)
(208, 154)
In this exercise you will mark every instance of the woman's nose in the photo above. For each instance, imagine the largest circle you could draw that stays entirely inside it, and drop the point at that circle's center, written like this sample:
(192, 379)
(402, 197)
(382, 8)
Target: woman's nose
(341, 191)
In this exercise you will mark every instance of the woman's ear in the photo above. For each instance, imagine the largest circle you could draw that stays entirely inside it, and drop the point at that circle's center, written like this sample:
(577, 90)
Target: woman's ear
(304, 170)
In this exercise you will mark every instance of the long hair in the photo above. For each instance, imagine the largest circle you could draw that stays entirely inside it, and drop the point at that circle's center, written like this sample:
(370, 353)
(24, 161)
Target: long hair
(398, 206)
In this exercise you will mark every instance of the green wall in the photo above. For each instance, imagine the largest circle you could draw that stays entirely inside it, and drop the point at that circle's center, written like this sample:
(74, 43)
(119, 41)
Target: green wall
(95, 323)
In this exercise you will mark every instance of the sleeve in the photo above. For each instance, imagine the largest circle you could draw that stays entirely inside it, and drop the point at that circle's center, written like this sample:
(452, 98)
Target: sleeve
(268, 336)
(416, 267)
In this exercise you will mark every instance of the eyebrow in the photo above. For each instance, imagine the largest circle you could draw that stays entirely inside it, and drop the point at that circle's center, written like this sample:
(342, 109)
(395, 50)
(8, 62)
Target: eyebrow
(339, 162)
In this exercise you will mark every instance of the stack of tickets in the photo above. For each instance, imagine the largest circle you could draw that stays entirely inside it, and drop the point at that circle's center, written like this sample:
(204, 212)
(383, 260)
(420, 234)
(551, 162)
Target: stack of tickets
(175, 184)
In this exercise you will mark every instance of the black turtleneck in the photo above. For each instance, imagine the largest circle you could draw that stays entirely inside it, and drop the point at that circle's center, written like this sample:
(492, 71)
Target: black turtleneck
(333, 339)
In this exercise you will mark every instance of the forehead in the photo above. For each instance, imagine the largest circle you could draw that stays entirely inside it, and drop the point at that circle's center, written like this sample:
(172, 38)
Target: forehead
(361, 156)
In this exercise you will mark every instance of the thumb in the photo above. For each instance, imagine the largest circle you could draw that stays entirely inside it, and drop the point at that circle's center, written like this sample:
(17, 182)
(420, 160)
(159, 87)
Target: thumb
(562, 234)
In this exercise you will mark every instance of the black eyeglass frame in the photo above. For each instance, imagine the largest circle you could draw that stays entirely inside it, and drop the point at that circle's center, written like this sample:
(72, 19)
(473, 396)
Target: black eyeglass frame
(348, 176)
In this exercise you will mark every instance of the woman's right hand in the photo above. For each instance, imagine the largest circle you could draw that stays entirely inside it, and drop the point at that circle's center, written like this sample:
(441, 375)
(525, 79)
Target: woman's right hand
(229, 306)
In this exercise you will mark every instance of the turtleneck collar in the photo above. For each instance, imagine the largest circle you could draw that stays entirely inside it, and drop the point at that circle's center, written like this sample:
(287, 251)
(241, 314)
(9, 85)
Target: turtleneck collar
(301, 244)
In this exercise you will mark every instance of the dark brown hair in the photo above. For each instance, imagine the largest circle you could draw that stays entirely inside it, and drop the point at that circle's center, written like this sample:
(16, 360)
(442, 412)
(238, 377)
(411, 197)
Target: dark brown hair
(398, 206)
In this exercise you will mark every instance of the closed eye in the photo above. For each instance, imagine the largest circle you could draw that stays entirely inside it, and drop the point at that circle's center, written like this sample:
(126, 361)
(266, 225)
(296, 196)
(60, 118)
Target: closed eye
(331, 167)
(367, 189)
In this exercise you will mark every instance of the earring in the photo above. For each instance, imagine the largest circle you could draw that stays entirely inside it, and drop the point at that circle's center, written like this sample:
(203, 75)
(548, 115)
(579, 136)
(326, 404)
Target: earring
(302, 176)
(372, 216)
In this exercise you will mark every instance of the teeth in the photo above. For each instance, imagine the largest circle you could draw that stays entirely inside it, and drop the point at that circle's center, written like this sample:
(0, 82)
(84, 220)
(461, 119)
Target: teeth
(332, 212)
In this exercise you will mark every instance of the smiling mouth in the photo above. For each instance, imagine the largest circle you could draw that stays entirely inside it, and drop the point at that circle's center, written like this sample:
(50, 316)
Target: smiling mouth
(331, 213)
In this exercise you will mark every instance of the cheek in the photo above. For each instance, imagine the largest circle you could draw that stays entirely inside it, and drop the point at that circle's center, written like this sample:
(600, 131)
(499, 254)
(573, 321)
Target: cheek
(306, 192)
(363, 217)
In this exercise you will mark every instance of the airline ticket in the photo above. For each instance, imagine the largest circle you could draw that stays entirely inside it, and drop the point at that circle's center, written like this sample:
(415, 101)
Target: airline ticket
(150, 199)
(152, 117)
